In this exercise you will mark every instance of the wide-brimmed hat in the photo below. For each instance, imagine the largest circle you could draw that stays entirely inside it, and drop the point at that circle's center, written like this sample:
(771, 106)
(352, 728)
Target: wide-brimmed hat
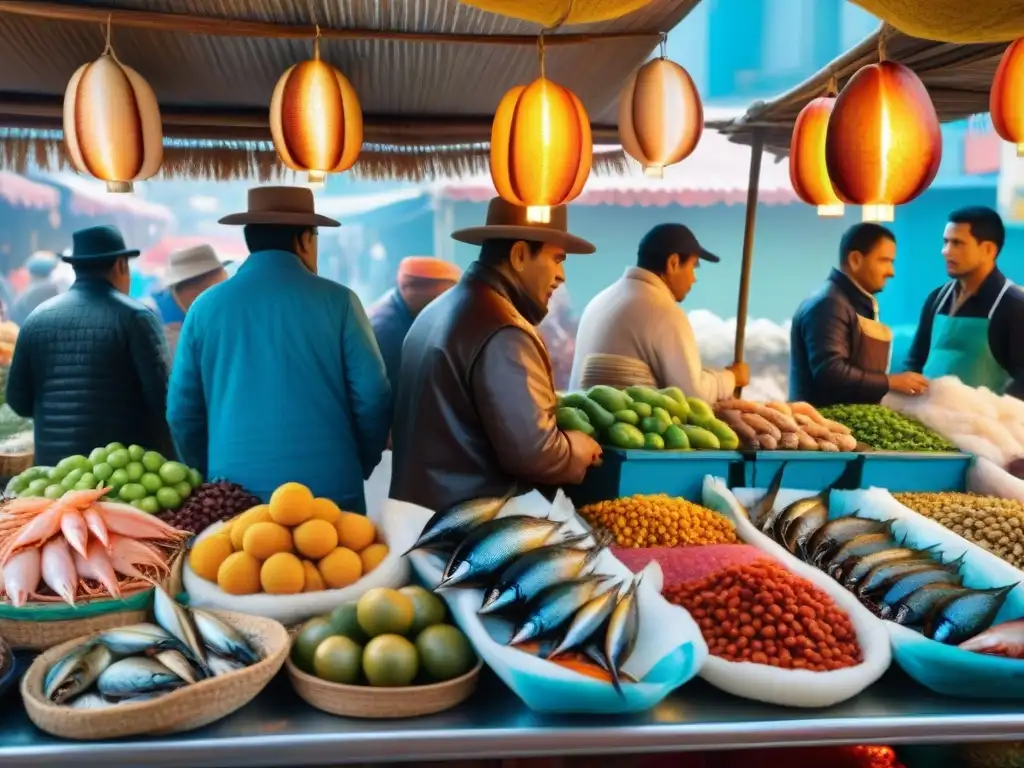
(101, 243)
(508, 222)
(287, 206)
(187, 263)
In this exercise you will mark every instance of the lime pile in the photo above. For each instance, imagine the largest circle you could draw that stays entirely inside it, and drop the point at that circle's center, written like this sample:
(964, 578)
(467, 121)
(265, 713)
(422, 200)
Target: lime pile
(388, 638)
(144, 479)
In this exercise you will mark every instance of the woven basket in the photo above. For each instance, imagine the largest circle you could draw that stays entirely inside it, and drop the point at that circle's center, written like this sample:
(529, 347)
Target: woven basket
(15, 463)
(616, 371)
(7, 667)
(365, 702)
(184, 709)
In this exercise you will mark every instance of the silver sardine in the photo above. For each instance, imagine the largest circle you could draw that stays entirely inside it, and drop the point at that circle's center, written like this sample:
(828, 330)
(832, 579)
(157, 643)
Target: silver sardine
(849, 551)
(97, 660)
(178, 621)
(620, 637)
(222, 638)
(776, 525)
(764, 505)
(903, 587)
(798, 530)
(445, 529)
(913, 609)
(833, 534)
(136, 676)
(60, 670)
(178, 664)
(221, 666)
(958, 618)
(553, 607)
(882, 576)
(138, 638)
(492, 546)
(534, 572)
(856, 568)
(587, 621)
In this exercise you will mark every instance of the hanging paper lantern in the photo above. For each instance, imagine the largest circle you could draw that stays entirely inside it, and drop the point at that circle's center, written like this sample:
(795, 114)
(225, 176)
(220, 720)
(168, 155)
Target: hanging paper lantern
(1006, 99)
(541, 147)
(547, 13)
(112, 125)
(316, 120)
(807, 171)
(883, 146)
(661, 118)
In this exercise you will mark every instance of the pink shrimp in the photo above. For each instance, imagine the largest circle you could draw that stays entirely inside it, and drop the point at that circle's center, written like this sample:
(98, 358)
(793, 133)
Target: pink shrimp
(72, 525)
(21, 576)
(129, 521)
(94, 522)
(96, 566)
(43, 526)
(82, 499)
(58, 568)
(30, 505)
(127, 553)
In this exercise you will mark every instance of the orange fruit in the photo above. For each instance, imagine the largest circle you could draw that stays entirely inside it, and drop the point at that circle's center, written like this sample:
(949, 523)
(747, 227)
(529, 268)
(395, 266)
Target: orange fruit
(262, 540)
(340, 568)
(325, 509)
(282, 574)
(314, 581)
(207, 555)
(356, 532)
(291, 504)
(315, 538)
(258, 514)
(239, 574)
(373, 555)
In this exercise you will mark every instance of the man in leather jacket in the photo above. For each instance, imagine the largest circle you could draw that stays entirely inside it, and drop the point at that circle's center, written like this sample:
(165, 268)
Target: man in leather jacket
(475, 412)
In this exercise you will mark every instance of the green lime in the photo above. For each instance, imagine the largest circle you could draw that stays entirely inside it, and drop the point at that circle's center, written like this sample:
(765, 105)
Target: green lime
(390, 661)
(137, 504)
(173, 472)
(118, 459)
(312, 633)
(98, 455)
(132, 492)
(384, 611)
(71, 478)
(88, 479)
(20, 483)
(81, 485)
(103, 471)
(428, 608)
(118, 478)
(73, 462)
(168, 498)
(151, 482)
(136, 452)
(115, 447)
(344, 622)
(57, 474)
(54, 491)
(338, 659)
(444, 652)
(34, 473)
(152, 461)
(149, 504)
(194, 478)
(37, 486)
(135, 471)
(183, 488)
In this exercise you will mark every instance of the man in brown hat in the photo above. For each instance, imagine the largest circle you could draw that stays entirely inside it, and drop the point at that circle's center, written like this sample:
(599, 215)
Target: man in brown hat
(475, 412)
(278, 377)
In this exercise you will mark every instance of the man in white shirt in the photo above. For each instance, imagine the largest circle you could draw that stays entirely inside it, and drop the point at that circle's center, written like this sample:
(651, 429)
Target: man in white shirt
(639, 317)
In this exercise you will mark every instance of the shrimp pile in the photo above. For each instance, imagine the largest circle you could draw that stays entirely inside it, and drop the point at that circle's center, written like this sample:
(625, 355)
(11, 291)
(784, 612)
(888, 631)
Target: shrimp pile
(79, 547)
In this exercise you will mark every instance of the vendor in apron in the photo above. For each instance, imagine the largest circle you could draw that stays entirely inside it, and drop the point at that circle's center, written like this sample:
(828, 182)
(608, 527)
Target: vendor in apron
(973, 326)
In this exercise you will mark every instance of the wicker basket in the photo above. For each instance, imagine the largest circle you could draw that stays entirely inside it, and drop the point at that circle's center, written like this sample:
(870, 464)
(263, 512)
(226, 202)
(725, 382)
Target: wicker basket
(184, 709)
(7, 667)
(15, 463)
(383, 703)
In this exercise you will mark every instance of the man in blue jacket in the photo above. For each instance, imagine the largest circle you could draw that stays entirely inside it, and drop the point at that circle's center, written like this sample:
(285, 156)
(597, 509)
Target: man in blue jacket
(277, 376)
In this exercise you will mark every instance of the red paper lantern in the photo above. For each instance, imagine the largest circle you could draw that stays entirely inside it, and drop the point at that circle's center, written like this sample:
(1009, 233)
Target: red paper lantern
(807, 170)
(541, 147)
(883, 145)
(1006, 99)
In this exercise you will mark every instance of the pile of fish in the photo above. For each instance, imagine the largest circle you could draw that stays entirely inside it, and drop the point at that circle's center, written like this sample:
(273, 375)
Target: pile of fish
(911, 587)
(144, 661)
(537, 574)
(78, 547)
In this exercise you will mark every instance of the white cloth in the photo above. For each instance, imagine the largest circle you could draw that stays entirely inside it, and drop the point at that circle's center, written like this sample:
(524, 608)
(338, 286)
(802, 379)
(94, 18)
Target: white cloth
(637, 316)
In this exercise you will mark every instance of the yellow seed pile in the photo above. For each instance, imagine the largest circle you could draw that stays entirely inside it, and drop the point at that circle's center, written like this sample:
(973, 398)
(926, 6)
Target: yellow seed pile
(992, 523)
(659, 521)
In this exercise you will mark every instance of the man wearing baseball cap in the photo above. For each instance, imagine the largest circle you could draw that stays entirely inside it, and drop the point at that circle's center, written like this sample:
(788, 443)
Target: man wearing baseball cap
(190, 271)
(638, 318)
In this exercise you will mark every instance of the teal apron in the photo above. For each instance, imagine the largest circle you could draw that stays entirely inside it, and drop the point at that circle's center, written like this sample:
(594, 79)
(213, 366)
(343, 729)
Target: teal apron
(959, 347)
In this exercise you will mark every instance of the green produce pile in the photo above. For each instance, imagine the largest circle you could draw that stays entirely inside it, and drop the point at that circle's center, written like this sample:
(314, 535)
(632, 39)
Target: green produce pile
(886, 430)
(641, 418)
(142, 478)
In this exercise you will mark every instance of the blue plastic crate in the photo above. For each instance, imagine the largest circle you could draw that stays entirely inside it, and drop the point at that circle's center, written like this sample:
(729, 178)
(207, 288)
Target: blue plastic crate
(807, 470)
(924, 472)
(677, 473)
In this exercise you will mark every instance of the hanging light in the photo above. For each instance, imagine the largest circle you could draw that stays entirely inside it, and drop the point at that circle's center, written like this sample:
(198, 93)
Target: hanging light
(661, 118)
(541, 146)
(1006, 99)
(112, 125)
(807, 170)
(315, 119)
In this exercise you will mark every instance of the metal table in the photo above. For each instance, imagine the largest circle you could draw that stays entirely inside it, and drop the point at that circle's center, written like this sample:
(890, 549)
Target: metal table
(279, 729)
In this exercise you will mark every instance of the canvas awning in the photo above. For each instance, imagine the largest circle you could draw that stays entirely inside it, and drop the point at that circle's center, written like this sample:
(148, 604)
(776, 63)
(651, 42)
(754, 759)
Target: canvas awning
(429, 73)
(19, 192)
(958, 77)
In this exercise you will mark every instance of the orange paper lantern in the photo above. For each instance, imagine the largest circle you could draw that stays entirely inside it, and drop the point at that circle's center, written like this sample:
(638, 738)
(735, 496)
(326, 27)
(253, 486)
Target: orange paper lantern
(807, 170)
(541, 147)
(1006, 99)
(883, 146)
(316, 120)
(661, 118)
(112, 125)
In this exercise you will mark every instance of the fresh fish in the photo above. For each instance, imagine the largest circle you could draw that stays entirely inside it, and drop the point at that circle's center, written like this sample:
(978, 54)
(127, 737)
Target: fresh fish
(912, 610)
(553, 607)
(137, 639)
(901, 589)
(80, 675)
(445, 529)
(1006, 639)
(960, 617)
(492, 546)
(764, 505)
(620, 637)
(534, 572)
(178, 621)
(776, 524)
(797, 532)
(176, 662)
(89, 701)
(837, 532)
(856, 568)
(60, 671)
(593, 651)
(221, 666)
(882, 576)
(135, 676)
(223, 639)
(858, 546)
(587, 621)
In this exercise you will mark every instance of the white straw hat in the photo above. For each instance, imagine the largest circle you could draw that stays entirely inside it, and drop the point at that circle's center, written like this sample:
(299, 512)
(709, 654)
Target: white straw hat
(186, 263)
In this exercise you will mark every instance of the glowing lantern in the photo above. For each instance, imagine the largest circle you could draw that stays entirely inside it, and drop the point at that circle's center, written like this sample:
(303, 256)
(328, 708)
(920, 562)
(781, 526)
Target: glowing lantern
(541, 147)
(883, 146)
(661, 118)
(1006, 99)
(112, 125)
(807, 171)
(316, 120)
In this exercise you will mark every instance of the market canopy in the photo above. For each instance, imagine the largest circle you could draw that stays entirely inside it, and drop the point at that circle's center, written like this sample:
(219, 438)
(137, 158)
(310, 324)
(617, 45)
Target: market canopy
(958, 78)
(955, 21)
(429, 73)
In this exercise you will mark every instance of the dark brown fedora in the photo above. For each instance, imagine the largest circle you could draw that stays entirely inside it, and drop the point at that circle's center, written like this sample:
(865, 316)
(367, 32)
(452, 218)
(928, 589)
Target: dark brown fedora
(508, 222)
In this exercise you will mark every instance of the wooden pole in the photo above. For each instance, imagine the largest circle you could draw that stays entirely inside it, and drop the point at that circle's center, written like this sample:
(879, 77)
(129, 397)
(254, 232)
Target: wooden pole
(753, 182)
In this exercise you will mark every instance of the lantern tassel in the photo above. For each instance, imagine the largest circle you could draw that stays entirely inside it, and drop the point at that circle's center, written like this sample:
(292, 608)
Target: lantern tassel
(538, 214)
(831, 210)
(878, 212)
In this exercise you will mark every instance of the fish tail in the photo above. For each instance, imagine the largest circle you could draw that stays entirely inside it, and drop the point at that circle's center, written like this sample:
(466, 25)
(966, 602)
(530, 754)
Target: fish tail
(613, 673)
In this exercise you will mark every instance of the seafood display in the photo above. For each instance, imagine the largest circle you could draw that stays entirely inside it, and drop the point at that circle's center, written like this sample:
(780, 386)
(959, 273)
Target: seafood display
(682, 564)
(658, 520)
(136, 663)
(886, 430)
(79, 547)
(783, 427)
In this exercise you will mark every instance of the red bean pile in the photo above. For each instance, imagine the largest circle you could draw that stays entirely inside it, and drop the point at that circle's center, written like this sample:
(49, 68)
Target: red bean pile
(210, 503)
(761, 613)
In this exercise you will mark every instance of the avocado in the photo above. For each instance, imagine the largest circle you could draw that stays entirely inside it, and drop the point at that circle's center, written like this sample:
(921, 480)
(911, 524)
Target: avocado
(653, 442)
(573, 420)
(627, 416)
(653, 425)
(676, 439)
(728, 439)
(609, 398)
(700, 413)
(599, 417)
(642, 409)
(675, 394)
(625, 436)
(701, 439)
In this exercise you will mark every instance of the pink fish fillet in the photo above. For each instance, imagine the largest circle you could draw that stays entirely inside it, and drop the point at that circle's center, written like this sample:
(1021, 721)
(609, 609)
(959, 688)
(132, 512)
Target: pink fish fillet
(126, 554)
(1006, 639)
(96, 566)
(41, 528)
(94, 522)
(21, 576)
(73, 526)
(58, 568)
(129, 521)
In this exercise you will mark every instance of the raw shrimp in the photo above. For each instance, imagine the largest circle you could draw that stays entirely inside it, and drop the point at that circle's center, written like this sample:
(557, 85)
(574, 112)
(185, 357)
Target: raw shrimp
(43, 526)
(58, 569)
(126, 554)
(128, 521)
(83, 499)
(96, 566)
(72, 525)
(21, 576)
(94, 522)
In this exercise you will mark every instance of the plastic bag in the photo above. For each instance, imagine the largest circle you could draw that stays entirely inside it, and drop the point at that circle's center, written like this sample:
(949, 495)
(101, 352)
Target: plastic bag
(794, 687)
(669, 650)
(990, 479)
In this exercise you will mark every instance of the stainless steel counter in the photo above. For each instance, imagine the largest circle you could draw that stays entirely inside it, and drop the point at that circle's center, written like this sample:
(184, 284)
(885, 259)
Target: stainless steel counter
(280, 729)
